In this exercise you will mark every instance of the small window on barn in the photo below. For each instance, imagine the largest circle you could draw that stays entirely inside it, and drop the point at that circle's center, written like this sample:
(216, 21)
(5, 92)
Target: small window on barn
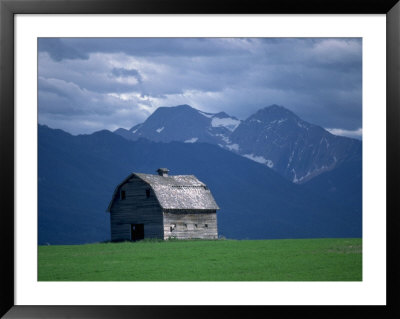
(195, 225)
(123, 195)
(206, 225)
(148, 192)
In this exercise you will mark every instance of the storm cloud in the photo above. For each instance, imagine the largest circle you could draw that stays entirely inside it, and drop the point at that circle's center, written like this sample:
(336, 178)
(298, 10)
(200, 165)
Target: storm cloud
(90, 84)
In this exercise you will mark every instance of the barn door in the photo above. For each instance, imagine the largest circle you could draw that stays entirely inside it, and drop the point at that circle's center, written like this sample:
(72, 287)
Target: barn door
(137, 232)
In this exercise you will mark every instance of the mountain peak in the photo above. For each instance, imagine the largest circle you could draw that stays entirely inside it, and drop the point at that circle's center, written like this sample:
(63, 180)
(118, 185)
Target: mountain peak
(278, 109)
(183, 123)
(222, 115)
(273, 114)
(293, 147)
(171, 114)
(181, 107)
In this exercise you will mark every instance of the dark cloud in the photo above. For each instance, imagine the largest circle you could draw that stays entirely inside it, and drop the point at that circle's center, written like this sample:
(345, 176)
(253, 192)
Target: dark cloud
(121, 72)
(143, 47)
(320, 79)
(58, 50)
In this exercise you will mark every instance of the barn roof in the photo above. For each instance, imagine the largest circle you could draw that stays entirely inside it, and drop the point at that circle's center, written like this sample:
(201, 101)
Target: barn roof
(176, 191)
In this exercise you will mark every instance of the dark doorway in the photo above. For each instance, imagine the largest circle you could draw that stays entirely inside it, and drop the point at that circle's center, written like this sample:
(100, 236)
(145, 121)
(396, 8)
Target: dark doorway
(137, 232)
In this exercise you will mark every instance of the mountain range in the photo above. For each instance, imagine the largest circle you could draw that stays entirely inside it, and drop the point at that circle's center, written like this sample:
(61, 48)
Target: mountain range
(274, 136)
(77, 176)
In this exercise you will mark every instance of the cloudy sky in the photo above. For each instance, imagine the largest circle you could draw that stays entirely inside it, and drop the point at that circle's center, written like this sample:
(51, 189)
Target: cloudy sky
(89, 84)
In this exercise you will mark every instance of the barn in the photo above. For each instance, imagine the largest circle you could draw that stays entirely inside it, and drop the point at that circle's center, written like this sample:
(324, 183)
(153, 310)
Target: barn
(162, 206)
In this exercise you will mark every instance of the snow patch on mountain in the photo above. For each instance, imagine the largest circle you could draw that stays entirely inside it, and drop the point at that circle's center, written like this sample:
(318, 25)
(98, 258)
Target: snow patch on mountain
(302, 125)
(326, 142)
(209, 115)
(295, 179)
(290, 158)
(232, 147)
(260, 159)
(224, 138)
(313, 172)
(192, 140)
(230, 123)
(159, 130)
(278, 121)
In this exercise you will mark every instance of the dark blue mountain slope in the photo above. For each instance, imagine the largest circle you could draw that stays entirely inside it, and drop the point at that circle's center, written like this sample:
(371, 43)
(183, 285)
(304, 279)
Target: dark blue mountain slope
(342, 185)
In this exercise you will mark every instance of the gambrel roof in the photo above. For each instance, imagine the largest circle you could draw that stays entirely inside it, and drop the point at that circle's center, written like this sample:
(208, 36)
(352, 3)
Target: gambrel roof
(176, 191)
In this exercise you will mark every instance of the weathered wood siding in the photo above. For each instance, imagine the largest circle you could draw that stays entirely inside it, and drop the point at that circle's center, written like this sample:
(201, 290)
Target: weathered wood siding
(190, 224)
(136, 208)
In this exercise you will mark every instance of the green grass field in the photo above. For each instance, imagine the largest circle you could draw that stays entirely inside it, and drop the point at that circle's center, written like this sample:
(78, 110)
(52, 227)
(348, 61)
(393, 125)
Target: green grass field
(201, 260)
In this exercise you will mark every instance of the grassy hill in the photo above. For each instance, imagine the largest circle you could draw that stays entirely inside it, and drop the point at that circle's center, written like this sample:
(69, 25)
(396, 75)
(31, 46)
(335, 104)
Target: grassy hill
(336, 259)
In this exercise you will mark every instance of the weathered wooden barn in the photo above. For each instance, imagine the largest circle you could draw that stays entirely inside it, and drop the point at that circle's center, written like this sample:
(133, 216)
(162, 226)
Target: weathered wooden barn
(162, 206)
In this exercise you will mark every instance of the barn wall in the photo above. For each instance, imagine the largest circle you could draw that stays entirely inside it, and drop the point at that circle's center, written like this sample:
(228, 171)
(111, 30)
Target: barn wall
(184, 224)
(136, 208)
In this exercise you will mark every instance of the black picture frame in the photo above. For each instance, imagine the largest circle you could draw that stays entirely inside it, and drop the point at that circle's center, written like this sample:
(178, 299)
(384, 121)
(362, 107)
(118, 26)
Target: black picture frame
(9, 8)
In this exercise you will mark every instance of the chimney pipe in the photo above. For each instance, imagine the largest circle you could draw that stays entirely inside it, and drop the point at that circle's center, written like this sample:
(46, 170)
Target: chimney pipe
(163, 172)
